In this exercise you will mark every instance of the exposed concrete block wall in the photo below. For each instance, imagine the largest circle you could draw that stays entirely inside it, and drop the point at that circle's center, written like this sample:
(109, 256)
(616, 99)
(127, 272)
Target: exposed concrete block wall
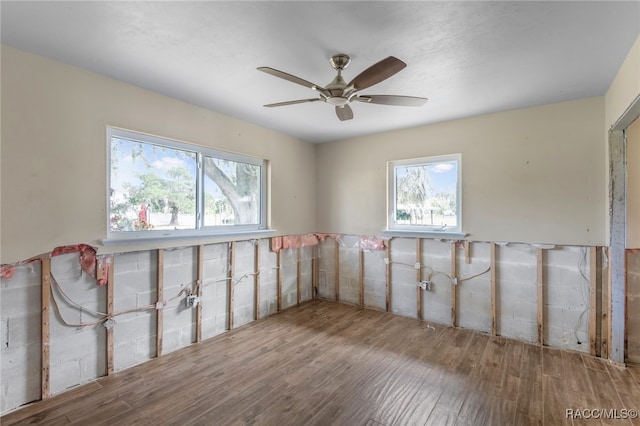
(474, 295)
(268, 280)
(349, 268)
(633, 306)
(403, 273)
(215, 266)
(78, 354)
(21, 341)
(436, 263)
(375, 279)
(135, 333)
(289, 258)
(307, 254)
(516, 292)
(566, 303)
(566, 275)
(243, 282)
(179, 320)
(327, 268)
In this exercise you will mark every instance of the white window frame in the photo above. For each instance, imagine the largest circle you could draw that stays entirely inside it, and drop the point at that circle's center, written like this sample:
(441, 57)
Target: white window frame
(395, 228)
(200, 230)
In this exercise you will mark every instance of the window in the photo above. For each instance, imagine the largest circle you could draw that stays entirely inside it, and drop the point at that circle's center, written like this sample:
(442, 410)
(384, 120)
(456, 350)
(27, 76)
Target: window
(162, 188)
(424, 194)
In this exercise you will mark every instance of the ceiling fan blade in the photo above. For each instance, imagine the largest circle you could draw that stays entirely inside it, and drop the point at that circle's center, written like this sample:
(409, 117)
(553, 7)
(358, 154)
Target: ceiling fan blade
(300, 101)
(344, 112)
(377, 73)
(292, 78)
(391, 100)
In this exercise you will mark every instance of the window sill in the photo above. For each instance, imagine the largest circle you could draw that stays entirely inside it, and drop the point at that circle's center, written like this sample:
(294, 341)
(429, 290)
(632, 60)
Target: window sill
(423, 234)
(118, 245)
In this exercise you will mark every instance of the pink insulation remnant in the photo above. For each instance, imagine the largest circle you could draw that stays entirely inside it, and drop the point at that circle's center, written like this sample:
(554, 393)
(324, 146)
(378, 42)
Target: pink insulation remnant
(290, 241)
(6, 271)
(371, 243)
(276, 244)
(293, 241)
(87, 256)
(309, 240)
(103, 265)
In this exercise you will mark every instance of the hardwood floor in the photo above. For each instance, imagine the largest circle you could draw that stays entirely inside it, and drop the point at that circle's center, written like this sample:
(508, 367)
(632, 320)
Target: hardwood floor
(328, 364)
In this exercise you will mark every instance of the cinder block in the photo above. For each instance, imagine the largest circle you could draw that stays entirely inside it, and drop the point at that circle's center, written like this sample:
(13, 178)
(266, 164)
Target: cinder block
(177, 337)
(145, 349)
(21, 331)
(215, 252)
(567, 256)
(242, 315)
(64, 374)
(268, 307)
(518, 329)
(432, 248)
(124, 354)
(349, 291)
(566, 339)
(374, 298)
(404, 305)
(19, 299)
(125, 263)
(289, 299)
(131, 328)
(437, 302)
(474, 305)
(66, 267)
(133, 282)
(523, 254)
(20, 374)
(179, 276)
(403, 250)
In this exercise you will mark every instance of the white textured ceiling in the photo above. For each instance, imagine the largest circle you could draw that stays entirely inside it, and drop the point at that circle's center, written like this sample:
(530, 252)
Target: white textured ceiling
(468, 58)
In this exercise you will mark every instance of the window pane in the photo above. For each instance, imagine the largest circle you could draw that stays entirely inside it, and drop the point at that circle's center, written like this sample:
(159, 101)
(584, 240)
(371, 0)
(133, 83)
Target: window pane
(153, 187)
(426, 194)
(231, 193)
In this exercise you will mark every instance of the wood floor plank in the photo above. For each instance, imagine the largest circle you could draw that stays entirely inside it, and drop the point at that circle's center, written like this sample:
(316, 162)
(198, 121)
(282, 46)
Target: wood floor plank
(530, 401)
(323, 363)
(579, 392)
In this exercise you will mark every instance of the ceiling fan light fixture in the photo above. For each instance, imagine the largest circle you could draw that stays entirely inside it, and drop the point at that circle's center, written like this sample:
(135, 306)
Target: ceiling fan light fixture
(337, 101)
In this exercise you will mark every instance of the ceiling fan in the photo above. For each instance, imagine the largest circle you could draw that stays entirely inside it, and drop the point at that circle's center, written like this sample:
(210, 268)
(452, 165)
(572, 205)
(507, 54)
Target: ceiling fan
(339, 93)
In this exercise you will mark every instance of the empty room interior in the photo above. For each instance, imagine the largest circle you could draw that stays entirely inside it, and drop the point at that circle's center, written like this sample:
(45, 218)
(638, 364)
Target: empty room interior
(323, 213)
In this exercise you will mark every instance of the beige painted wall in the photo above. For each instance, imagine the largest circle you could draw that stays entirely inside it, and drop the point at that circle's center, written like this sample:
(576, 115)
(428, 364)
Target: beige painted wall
(625, 87)
(633, 185)
(532, 175)
(53, 170)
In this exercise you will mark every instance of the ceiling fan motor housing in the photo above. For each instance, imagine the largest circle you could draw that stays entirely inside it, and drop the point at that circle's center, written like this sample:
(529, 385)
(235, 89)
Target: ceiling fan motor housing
(340, 61)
